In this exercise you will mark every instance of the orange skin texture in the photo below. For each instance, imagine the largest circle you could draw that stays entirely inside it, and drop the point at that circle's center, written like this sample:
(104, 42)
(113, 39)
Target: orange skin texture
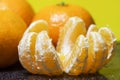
(57, 15)
(20, 7)
(12, 28)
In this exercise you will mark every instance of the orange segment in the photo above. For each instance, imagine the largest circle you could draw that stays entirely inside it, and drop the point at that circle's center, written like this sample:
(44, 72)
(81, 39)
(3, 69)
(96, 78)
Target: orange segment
(72, 29)
(92, 28)
(110, 40)
(37, 26)
(38, 55)
(46, 55)
(95, 52)
(107, 35)
(78, 57)
(26, 52)
(36, 44)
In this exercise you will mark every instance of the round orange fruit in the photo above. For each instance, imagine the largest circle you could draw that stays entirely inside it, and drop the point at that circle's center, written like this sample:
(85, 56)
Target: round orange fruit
(11, 30)
(57, 15)
(20, 7)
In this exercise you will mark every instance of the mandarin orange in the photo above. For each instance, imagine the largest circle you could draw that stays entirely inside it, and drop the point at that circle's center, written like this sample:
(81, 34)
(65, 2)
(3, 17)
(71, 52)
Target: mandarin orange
(57, 15)
(11, 30)
(20, 7)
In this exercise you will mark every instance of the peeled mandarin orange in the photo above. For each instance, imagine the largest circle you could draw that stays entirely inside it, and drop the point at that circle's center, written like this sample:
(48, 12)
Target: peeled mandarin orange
(20, 7)
(12, 28)
(36, 51)
(76, 52)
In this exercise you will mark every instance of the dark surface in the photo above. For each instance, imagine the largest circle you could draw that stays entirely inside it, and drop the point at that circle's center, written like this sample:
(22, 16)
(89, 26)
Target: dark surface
(16, 72)
(110, 72)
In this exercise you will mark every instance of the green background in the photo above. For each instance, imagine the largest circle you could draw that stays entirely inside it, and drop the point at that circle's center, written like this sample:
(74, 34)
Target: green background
(105, 12)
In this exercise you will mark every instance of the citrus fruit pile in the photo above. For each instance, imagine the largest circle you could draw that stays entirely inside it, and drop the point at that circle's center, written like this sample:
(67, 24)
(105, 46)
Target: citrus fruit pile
(78, 51)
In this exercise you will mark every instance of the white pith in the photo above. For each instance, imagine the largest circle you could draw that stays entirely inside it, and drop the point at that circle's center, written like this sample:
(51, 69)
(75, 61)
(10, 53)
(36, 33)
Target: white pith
(24, 44)
(96, 37)
(90, 29)
(112, 40)
(80, 39)
(42, 40)
(67, 44)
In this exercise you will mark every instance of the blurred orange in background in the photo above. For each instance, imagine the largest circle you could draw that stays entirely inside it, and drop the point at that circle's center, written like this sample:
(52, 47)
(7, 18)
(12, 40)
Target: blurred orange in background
(104, 12)
(57, 15)
(20, 7)
(12, 28)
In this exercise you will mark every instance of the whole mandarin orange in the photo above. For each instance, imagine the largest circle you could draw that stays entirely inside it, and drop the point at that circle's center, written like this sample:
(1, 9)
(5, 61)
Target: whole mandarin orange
(20, 7)
(57, 15)
(12, 28)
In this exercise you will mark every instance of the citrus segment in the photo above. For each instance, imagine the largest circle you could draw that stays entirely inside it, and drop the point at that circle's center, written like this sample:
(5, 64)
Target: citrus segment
(92, 28)
(96, 49)
(77, 60)
(72, 29)
(38, 46)
(110, 40)
(47, 55)
(37, 26)
(38, 55)
(26, 52)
